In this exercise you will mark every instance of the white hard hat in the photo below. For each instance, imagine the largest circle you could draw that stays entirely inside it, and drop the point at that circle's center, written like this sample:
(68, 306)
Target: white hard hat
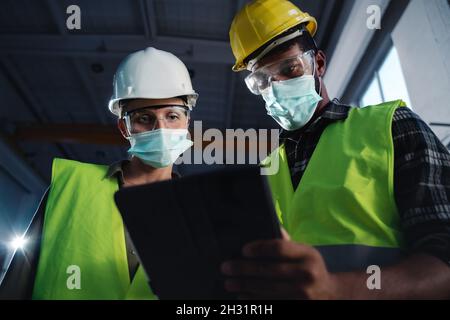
(151, 74)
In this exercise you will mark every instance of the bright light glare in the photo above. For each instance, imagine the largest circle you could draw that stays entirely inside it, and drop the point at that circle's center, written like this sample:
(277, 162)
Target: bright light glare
(18, 243)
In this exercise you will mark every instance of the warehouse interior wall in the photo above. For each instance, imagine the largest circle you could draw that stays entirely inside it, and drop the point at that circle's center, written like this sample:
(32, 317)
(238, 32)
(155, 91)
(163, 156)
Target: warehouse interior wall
(422, 40)
(351, 46)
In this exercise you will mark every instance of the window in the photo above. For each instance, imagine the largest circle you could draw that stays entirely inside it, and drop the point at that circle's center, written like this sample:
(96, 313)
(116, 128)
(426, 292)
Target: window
(387, 84)
(446, 141)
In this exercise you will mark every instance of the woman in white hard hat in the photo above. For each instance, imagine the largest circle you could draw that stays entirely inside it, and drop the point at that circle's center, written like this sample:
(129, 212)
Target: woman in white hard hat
(85, 252)
(152, 97)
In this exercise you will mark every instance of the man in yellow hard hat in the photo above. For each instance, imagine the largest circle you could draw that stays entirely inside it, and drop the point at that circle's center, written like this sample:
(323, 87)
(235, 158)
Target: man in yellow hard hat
(363, 193)
(79, 247)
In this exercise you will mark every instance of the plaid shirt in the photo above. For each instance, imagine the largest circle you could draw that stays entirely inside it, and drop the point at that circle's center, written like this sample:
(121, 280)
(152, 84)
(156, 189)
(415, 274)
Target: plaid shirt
(421, 175)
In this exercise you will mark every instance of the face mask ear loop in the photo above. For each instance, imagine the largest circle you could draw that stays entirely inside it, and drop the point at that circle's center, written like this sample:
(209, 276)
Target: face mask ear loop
(154, 126)
(320, 78)
(188, 116)
(126, 119)
(320, 84)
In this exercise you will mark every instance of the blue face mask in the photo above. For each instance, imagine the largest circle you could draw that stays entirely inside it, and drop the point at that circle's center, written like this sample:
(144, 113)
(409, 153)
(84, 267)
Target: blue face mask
(292, 103)
(159, 148)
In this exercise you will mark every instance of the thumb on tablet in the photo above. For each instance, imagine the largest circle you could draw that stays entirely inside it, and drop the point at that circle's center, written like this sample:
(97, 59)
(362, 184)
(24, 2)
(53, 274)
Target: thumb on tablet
(284, 234)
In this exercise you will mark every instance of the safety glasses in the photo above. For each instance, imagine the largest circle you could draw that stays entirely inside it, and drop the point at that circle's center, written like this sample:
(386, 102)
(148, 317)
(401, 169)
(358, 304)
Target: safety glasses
(285, 69)
(146, 118)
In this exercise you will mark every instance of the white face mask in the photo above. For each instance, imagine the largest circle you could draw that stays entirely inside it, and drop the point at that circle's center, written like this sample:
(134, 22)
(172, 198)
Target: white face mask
(159, 148)
(292, 103)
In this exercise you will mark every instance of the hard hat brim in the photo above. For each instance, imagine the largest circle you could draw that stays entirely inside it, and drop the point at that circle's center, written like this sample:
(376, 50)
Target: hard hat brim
(311, 27)
(114, 104)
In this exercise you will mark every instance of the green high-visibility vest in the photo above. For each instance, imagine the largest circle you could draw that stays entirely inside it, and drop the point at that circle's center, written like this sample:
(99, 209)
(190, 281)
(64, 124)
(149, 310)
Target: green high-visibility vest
(344, 204)
(83, 252)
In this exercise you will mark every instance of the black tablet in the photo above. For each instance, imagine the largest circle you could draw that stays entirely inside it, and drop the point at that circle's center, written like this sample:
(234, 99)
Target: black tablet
(183, 229)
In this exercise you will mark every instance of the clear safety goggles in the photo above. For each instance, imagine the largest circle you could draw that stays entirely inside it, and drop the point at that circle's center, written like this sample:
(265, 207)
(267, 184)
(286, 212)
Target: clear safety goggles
(146, 118)
(285, 69)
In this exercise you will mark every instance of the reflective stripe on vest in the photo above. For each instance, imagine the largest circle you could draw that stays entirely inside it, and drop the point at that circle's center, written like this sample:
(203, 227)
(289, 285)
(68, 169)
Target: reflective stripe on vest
(341, 258)
(344, 204)
(83, 228)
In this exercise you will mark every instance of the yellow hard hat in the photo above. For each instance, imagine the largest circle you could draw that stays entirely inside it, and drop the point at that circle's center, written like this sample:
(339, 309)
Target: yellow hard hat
(261, 21)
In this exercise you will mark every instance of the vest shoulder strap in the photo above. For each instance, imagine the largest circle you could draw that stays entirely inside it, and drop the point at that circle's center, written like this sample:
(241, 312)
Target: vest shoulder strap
(72, 168)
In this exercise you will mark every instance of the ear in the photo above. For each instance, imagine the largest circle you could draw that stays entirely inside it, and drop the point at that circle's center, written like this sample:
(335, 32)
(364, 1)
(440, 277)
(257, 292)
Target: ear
(321, 63)
(122, 127)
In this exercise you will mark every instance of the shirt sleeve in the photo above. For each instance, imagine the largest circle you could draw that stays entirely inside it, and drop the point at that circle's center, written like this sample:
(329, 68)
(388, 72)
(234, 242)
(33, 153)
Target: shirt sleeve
(19, 279)
(421, 185)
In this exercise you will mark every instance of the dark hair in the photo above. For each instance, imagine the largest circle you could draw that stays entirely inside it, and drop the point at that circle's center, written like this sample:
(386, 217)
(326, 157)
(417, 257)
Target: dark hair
(305, 41)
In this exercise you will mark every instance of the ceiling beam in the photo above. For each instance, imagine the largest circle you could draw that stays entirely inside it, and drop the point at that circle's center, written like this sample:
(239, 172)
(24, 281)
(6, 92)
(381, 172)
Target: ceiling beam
(332, 30)
(145, 23)
(91, 94)
(150, 15)
(102, 135)
(18, 83)
(188, 49)
(13, 158)
(325, 17)
(57, 14)
(30, 101)
(230, 99)
(87, 85)
(70, 133)
(351, 46)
